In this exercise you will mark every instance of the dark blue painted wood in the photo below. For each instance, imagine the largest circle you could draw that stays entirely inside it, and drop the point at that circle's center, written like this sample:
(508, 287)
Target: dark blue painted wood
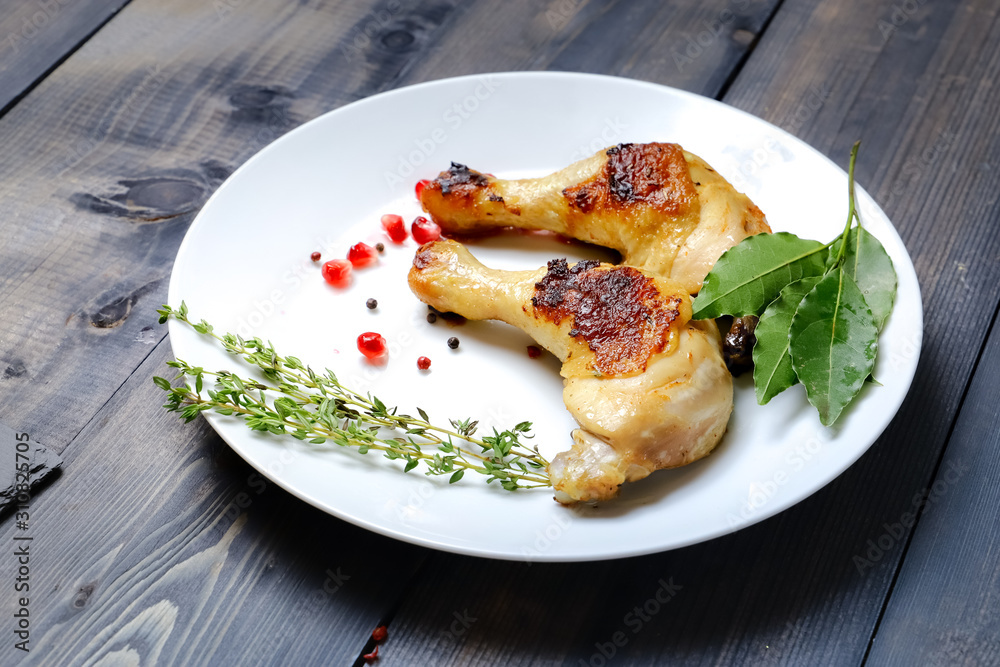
(188, 101)
(36, 36)
(943, 609)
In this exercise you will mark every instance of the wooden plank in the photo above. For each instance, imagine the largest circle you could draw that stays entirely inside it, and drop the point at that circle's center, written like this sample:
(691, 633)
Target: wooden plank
(943, 609)
(94, 218)
(689, 45)
(97, 200)
(106, 162)
(38, 35)
(795, 589)
(792, 590)
(920, 81)
(158, 545)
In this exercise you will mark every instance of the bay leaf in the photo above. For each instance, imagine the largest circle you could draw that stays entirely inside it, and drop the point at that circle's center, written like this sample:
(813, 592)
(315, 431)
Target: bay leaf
(869, 264)
(772, 362)
(833, 341)
(750, 275)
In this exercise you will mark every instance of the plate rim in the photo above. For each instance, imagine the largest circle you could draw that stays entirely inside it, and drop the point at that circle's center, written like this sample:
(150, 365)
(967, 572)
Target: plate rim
(776, 506)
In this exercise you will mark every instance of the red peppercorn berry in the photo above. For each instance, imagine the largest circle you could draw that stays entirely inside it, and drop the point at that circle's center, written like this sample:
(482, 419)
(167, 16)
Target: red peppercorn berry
(372, 345)
(421, 184)
(315, 256)
(380, 633)
(361, 255)
(337, 272)
(425, 231)
(394, 227)
(423, 363)
(534, 352)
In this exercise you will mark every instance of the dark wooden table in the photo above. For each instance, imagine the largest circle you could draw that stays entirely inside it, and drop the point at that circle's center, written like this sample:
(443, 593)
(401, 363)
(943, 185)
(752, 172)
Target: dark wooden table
(157, 545)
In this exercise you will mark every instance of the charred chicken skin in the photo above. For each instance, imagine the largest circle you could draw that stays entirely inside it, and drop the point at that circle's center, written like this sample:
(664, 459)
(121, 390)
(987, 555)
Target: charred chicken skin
(647, 386)
(664, 209)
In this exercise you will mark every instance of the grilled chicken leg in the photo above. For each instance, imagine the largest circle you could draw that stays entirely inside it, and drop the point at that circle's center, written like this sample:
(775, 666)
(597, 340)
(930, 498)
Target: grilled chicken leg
(664, 209)
(647, 386)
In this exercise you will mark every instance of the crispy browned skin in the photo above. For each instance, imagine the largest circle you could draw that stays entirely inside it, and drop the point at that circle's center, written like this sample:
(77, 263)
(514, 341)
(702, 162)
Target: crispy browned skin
(460, 183)
(665, 210)
(611, 320)
(655, 175)
(618, 312)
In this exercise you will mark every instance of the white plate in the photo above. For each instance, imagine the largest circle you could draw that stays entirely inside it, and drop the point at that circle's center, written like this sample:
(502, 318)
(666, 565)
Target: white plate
(244, 266)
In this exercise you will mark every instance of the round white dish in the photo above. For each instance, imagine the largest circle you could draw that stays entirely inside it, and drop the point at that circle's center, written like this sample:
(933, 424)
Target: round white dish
(244, 266)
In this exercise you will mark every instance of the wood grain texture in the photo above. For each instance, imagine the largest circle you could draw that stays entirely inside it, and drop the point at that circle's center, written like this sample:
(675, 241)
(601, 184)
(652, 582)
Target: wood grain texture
(689, 45)
(790, 591)
(158, 545)
(943, 609)
(36, 36)
(139, 555)
(107, 161)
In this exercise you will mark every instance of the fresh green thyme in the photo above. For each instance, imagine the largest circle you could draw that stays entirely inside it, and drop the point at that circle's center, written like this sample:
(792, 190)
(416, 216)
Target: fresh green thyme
(315, 407)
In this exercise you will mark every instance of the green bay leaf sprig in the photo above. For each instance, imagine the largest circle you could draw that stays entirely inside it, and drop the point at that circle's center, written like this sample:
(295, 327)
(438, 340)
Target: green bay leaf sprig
(295, 400)
(821, 308)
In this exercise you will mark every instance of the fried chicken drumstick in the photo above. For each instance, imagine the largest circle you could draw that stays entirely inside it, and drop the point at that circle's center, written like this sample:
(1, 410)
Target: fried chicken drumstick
(664, 209)
(647, 386)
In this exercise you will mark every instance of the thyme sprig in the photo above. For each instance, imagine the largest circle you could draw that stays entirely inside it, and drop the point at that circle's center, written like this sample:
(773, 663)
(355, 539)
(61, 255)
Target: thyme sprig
(315, 407)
